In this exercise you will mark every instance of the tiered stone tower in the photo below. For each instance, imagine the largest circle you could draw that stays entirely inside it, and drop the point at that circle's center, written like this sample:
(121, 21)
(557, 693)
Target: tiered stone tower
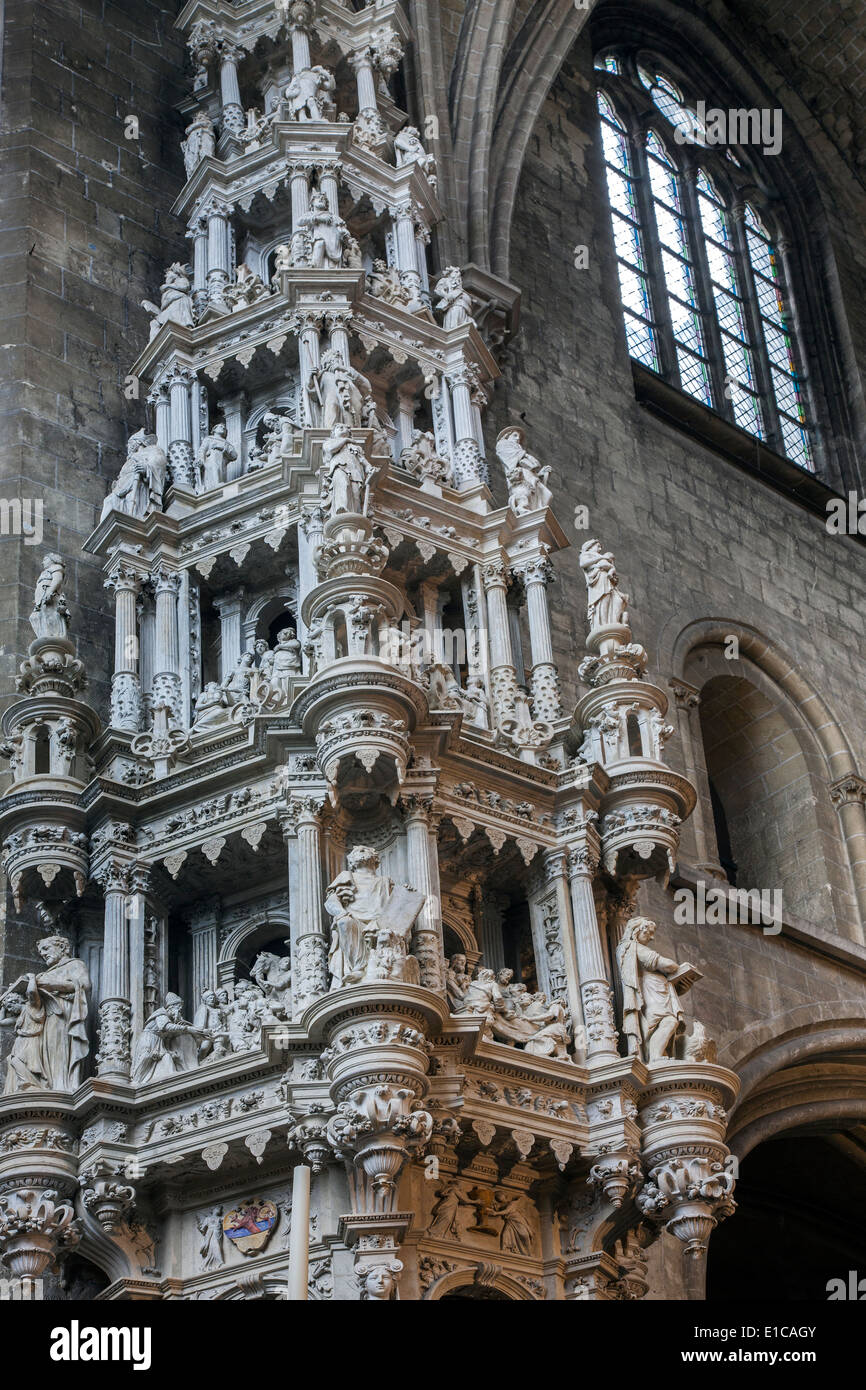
(340, 884)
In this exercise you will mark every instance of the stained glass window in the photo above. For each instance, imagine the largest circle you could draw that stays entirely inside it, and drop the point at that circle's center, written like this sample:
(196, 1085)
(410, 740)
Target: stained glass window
(701, 277)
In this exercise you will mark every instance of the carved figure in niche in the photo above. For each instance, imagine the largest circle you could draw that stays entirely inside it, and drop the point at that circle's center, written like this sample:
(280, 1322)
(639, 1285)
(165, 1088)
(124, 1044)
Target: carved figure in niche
(210, 1227)
(516, 1234)
(214, 454)
(372, 923)
(247, 289)
(255, 129)
(199, 143)
(422, 459)
(309, 95)
(526, 477)
(285, 659)
(237, 683)
(512, 1015)
(652, 1015)
(346, 472)
(457, 981)
(273, 975)
(249, 1012)
(341, 392)
(49, 1013)
(408, 149)
(384, 282)
(50, 616)
(211, 705)
(166, 1044)
(378, 1282)
(454, 302)
(326, 233)
(551, 1020)
(140, 484)
(175, 300)
(64, 747)
(474, 698)
(211, 1019)
(444, 1218)
(606, 604)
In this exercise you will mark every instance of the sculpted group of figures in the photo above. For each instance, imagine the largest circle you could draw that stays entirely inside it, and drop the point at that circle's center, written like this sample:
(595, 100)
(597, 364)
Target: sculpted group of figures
(511, 1013)
(372, 924)
(261, 676)
(229, 1019)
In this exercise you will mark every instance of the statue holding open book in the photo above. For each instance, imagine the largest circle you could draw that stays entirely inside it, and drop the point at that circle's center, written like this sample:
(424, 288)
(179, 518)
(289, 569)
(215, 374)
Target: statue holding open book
(653, 1018)
(372, 926)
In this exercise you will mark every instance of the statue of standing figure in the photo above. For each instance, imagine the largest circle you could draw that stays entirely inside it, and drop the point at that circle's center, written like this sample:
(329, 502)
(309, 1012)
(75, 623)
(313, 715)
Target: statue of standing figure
(175, 299)
(652, 1015)
(50, 616)
(309, 95)
(408, 149)
(454, 302)
(525, 476)
(49, 1014)
(199, 143)
(607, 606)
(140, 484)
(346, 472)
(326, 234)
(341, 392)
(214, 455)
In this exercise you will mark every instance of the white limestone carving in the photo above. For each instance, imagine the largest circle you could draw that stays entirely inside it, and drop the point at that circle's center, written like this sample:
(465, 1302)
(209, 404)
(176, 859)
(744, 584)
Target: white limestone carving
(454, 304)
(50, 615)
(166, 1044)
(526, 477)
(214, 455)
(175, 300)
(200, 142)
(653, 1020)
(309, 95)
(346, 472)
(607, 605)
(49, 1014)
(372, 923)
(139, 486)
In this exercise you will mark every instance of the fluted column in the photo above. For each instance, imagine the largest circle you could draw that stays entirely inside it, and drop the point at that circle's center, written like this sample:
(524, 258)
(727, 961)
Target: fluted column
(370, 131)
(469, 465)
(503, 678)
(338, 322)
(230, 92)
(406, 249)
(546, 697)
(166, 661)
(421, 826)
(329, 183)
(179, 381)
(119, 880)
(595, 991)
(125, 682)
(310, 938)
(299, 188)
(300, 15)
(218, 256)
(198, 235)
(309, 350)
(230, 607)
(489, 907)
(203, 920)
(160, 400)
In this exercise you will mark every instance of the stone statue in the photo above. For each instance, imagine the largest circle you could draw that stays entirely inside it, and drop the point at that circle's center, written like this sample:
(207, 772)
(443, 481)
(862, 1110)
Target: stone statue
(606, 605)
(199, 143)
(346, 472)
(474, 698)
(214, 454)
(255, 129)
(378, 1282)
(652, 1015)
(50, 616)
(140, 484)
(285, 660)
(236, 685)
(512, 1015)
(211, 705)
(49, 1012)
(309, 95)
(526, 477)
(249, 1011)
(175, 302)
(454, 303)
(326, 234)
(64, 747)
(166, 1044)
(384, 283)
(210, 1228)
(457, 981)
(342, 393)
(516, 1234)
(423, 460)
(211, 1019)
(444, 1216)
(248, 287)
(372, 923)
(408, 149)
(273, 975)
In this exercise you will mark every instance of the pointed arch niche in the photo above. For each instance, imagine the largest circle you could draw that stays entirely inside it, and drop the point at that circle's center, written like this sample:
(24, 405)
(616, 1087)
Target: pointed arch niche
(780, 800)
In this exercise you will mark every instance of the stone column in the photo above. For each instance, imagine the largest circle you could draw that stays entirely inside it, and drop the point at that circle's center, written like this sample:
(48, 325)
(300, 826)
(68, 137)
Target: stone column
(421, 827)
(338, 322)
(310, 938)
(166, 662)
(849, 797)
(218, 256)
(299, 185)
(179, 381)
(329, 183)
(230, 92)
(546, 697)
(469, 466)
(125, 682)
(230, 608)
(232, 408)
(115, 1008)
(687, 698)
(595, 991)
(406, 250)
(488, 907)
(503, 678)
(300, 15)
(203, 920)
(310, 534)
(160, 400)
(198, 234)
(309, 350)
(370, 130)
